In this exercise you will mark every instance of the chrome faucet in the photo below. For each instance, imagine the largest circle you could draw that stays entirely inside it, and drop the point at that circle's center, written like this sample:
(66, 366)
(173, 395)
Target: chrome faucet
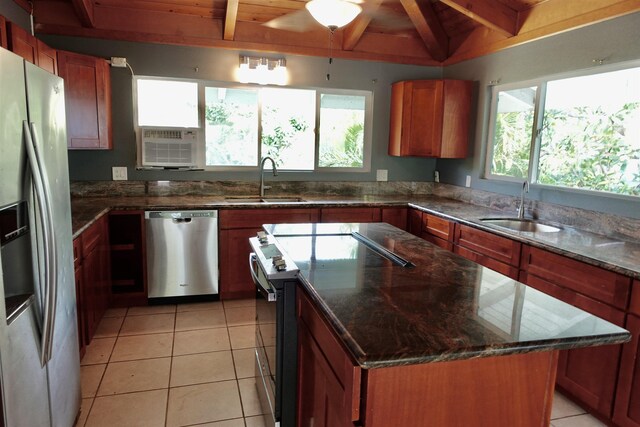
(525, 189)
(275, 173)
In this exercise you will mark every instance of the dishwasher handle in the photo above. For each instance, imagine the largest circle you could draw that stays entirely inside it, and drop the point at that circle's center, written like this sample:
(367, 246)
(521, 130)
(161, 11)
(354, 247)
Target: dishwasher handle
(264, 287)
(181, 220)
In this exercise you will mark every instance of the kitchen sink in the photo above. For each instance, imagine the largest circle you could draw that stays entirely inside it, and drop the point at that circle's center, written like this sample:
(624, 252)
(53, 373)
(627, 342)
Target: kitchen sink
(526, 225)
(282, 199)
(263, 200)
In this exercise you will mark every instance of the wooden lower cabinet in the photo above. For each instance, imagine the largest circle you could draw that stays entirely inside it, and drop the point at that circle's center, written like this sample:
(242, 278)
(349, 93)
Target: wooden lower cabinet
(394, 216)
(333, 391)
(414, 221)
(236, 226)
(627, 406)
(93, 280)
(588, 375)
(127, 251)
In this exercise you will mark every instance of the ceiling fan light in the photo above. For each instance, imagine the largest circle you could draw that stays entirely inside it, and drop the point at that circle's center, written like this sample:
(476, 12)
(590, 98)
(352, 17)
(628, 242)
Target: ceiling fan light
(333, 13)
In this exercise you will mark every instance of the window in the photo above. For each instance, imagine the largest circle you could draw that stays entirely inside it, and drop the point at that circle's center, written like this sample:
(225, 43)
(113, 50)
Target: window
(342, 120)
(167, 103)
(301, 129)
(580, 132)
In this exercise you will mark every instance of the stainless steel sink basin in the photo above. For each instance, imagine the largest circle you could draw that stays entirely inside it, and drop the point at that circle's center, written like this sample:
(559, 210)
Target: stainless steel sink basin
(242, 199)
(263, 200)
(526, 225)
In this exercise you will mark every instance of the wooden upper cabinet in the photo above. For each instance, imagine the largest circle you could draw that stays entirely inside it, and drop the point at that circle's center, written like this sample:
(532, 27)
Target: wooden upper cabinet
(47, 57)
(3, 32)
(22, 43)
(430, 118)
(87, 87)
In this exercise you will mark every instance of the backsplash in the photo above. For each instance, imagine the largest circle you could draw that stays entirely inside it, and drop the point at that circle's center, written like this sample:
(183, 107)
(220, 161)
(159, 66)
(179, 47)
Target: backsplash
(244, 188)
(596, 222)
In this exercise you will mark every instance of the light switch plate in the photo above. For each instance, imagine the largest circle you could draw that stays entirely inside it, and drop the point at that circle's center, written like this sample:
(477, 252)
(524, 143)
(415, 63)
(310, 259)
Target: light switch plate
(119, 173)
(436, 176)
(468, 181)
(382, 175)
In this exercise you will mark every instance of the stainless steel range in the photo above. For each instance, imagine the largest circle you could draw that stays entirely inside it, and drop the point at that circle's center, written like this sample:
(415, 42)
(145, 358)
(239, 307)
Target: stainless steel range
(275, 276)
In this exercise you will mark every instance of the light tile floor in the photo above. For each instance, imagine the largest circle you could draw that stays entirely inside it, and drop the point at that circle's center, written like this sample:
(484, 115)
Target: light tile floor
(184, 365)
(188, 365)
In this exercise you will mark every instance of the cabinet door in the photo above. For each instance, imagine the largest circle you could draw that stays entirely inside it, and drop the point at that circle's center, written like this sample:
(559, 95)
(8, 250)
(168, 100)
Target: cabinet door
(91, 292)
(87, 86)
(235, 278)
(22, 43)
(395, 216)
(627, 409)
(587, 374)
(328, 380)
(455, 120)
(80, 306)
(414, 222)
(3, 32)
(47, 58)
(323, 401)
(422, 118)
(351, 215)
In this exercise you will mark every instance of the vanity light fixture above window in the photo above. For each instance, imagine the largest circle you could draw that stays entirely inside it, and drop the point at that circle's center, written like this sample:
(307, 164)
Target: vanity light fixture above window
(262, 70)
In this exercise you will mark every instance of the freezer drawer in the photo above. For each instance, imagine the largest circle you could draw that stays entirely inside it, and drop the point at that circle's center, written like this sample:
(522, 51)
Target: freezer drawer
(182, 253)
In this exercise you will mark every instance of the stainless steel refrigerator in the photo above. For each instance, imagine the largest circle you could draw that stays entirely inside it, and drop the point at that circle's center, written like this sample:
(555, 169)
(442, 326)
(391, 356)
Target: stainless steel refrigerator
(39, 361)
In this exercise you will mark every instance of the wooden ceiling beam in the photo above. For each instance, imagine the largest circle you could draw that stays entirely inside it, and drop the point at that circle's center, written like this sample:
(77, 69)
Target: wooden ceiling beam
(84, 11)
(354, 31)
(428, 26)
(230, 19)
(490, 13)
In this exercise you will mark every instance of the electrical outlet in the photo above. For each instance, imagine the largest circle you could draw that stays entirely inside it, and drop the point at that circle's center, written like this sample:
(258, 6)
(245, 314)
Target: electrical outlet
(119, 173)
(468, 181)
(382, 175)
(118, 62)
(436, 176)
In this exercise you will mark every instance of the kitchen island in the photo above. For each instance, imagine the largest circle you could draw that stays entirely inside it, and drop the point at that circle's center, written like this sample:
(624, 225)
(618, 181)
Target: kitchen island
(444, 342)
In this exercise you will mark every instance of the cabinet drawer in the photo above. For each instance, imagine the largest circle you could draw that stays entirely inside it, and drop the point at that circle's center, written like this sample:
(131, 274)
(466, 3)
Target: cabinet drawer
(487, 261)
(438, 226)
(499, 248)
(254, 218)
(599, 284)
(444, 244)
(351, 215)
(336, 356)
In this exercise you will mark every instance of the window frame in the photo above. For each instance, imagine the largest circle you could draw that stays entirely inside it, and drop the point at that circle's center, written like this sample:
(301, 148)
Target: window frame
(539, 108)
(201, 147)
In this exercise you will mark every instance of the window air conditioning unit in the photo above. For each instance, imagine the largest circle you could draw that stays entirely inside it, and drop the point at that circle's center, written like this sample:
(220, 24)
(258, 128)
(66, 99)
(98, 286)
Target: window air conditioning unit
(169, 147)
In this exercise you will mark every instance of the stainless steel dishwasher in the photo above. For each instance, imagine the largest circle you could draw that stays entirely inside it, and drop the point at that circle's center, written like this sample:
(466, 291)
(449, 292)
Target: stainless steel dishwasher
(182, 253)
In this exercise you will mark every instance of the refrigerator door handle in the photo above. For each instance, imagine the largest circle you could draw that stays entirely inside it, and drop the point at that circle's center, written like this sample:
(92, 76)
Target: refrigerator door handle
(43, 195)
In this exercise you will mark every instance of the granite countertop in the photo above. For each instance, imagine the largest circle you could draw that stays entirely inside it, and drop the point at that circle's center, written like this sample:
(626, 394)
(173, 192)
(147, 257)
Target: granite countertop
(444, 308)
(613, 254)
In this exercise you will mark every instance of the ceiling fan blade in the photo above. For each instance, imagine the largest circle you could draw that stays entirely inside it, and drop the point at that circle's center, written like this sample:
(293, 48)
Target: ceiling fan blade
(298, 21)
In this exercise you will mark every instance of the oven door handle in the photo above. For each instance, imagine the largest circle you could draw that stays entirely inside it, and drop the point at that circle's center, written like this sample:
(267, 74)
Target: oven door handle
(265, 289)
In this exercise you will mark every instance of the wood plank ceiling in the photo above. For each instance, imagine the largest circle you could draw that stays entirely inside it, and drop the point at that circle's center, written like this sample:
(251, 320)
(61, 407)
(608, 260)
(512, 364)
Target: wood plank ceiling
(425, 32)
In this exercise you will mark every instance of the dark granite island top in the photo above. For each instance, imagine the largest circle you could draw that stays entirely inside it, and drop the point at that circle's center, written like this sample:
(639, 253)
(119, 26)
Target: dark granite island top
(445, 308)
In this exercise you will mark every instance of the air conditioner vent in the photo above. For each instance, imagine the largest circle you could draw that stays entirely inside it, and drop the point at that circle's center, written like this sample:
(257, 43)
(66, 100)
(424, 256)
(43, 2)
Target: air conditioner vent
(169, 147)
